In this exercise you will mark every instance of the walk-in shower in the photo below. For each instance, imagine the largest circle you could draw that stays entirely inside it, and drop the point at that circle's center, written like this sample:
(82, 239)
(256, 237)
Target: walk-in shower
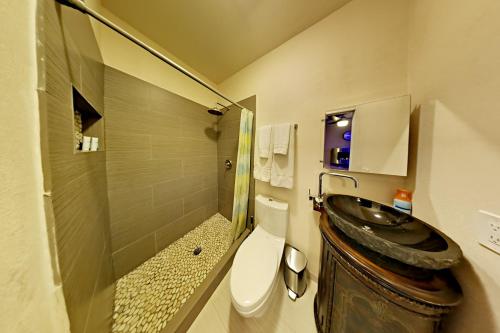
(170, 197)
(143, 226)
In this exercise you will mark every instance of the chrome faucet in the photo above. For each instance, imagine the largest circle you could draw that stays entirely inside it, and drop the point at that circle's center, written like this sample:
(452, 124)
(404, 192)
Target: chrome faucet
(318, 200)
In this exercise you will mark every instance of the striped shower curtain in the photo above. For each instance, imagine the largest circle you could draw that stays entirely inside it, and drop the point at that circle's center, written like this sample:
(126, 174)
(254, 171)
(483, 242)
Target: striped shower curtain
(242, 181)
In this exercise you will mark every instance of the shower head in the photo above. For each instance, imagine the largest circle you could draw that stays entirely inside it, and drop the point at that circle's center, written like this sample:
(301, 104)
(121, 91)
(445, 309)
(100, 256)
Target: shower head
(217, 111)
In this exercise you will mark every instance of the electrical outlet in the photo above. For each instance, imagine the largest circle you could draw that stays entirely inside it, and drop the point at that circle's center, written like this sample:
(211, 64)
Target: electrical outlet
(489, 227)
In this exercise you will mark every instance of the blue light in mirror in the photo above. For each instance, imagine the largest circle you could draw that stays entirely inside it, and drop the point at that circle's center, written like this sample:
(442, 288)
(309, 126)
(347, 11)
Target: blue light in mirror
(347, 135)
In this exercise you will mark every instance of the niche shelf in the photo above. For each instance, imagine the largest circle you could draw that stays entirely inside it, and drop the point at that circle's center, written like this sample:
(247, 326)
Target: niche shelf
(87, 121)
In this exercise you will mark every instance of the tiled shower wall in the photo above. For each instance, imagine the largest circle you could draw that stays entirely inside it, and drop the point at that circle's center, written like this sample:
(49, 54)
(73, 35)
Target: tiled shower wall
(76, 203)
(227, 149)
(161, 167)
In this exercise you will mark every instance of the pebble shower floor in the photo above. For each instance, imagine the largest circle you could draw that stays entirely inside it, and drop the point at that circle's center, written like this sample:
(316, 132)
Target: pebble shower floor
(149, 297)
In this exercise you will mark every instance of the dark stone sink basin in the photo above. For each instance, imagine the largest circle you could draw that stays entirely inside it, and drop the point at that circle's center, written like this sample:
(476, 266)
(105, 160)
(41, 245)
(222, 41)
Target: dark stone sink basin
(392, 233)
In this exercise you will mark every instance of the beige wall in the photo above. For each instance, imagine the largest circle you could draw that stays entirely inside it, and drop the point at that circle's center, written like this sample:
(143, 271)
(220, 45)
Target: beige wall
(454, 77)
(357, 54)
(74, 182)
(161, 167)
(125, 56)
(445, 54)
(31, 299)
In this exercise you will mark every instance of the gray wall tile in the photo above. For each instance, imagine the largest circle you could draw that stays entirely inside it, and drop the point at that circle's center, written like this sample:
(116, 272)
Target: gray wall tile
(133, 255)
(161, 166)
(197, 199)
(173, 231)
(69, 56)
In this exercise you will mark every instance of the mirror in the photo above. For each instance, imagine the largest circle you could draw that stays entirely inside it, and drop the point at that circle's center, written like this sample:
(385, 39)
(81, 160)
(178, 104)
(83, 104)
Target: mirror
(370, 137)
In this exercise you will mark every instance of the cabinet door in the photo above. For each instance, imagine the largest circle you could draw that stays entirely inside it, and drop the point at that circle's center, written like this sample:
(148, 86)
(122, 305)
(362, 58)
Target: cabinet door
(358, 309)
(380, 134)
(324, 297)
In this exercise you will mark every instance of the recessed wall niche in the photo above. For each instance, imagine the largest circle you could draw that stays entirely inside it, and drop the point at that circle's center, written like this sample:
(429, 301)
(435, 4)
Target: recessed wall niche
(87, 122)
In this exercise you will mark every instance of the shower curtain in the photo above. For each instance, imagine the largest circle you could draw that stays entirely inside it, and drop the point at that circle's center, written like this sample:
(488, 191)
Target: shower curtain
(242, 181)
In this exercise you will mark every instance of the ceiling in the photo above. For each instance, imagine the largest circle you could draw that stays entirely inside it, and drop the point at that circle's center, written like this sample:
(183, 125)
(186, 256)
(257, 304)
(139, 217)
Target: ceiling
(219, 37)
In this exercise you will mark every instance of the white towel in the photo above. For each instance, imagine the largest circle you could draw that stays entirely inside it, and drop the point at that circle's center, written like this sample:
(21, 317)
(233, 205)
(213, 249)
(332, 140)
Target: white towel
(281, 138)
(282, 167)
(262, 165)
(264, 134)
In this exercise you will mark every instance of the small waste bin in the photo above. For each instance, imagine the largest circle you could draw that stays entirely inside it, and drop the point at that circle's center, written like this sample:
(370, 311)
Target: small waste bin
(295, 272)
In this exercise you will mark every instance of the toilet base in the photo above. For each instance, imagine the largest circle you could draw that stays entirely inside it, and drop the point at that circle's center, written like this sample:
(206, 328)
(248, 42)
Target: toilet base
(262, 308)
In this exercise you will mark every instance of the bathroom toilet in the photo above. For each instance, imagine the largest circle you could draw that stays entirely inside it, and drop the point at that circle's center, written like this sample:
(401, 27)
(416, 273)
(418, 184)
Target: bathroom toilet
(255, 267)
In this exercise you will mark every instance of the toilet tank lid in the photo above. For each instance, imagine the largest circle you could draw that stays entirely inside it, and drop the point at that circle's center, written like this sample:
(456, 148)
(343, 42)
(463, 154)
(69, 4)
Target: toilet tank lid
(271, 202)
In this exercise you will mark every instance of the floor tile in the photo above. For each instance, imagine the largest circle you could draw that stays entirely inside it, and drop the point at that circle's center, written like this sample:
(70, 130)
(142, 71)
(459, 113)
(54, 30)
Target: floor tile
(283, 315)
(209, 321)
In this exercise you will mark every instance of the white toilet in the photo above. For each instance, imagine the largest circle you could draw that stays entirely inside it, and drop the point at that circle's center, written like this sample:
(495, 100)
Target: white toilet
(255, 267)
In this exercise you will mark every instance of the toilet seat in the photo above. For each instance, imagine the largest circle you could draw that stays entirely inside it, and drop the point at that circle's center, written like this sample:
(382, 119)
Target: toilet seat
(254, 271)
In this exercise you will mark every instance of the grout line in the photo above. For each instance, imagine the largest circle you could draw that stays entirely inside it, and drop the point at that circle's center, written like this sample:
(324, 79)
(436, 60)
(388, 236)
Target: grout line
(156, 241)
(132, 243)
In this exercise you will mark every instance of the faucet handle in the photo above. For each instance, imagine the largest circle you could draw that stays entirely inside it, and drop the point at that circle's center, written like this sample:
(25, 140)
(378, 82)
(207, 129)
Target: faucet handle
(317, 201)
(311, 197)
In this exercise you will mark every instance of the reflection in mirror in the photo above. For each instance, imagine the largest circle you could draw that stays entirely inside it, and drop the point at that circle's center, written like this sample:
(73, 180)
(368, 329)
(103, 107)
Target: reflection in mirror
(338, 128)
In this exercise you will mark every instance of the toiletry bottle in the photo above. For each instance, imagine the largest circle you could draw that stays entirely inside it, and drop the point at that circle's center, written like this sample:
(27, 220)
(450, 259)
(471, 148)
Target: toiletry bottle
(94, 144)
(402, 201)
(86, 143)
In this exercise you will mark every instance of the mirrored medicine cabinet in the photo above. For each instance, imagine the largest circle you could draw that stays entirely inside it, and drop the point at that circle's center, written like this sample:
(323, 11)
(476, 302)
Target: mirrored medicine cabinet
(370, 137)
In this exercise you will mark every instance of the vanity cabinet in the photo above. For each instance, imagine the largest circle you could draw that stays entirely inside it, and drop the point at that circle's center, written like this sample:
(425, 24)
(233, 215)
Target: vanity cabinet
(356, 295)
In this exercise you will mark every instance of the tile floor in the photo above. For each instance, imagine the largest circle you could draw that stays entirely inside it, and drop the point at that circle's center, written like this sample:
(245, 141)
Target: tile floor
(283, 315)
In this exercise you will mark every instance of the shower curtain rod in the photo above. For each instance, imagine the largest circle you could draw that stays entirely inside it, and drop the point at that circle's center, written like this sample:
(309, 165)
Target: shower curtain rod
(82, 7)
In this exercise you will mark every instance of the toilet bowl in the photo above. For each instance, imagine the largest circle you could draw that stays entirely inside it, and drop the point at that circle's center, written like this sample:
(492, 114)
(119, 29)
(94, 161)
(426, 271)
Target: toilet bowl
(255, 267)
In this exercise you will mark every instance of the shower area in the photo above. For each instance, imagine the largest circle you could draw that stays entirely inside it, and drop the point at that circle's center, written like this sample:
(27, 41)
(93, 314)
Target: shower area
(171, 173)
(140, 224)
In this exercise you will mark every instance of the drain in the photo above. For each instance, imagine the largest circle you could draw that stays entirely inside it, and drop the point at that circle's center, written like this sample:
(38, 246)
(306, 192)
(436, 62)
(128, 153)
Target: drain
(197, 250)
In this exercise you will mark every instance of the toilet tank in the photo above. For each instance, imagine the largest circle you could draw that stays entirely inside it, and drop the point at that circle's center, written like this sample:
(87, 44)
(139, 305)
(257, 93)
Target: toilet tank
(272, 215)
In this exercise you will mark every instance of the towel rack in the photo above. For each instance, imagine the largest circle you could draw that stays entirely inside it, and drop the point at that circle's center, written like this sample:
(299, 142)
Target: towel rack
(295, 126)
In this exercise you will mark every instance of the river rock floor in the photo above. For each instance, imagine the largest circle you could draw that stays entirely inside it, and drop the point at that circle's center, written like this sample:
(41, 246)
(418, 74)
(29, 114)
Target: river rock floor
(149, 297)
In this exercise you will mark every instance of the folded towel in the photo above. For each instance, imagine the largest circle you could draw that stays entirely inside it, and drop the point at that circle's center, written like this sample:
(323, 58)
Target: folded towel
(281, 138)
(262, 165)
(282, 166)
(264, 135)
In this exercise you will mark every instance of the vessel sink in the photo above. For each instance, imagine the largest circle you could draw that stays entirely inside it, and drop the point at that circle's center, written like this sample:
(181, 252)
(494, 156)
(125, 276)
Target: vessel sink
(392, 233)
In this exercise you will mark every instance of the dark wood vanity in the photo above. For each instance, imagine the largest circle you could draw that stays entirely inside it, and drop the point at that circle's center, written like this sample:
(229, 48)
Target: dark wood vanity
(363, 291)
